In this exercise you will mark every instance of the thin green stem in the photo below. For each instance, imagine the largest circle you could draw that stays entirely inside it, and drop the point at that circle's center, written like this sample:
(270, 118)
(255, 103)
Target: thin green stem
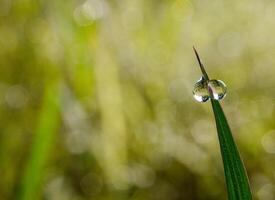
(201, 65)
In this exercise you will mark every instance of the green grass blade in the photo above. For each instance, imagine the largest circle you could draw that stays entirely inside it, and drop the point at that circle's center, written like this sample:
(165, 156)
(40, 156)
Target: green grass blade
(235, 173)
(43, 142)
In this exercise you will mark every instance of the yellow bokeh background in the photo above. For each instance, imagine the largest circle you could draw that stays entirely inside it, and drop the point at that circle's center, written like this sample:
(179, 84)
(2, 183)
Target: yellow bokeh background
(96, 98)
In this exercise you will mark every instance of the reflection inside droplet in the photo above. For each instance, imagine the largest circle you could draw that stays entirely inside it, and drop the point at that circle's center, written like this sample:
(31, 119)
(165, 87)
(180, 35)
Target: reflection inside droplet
(218, 89)
(204, 89)
(200, 91)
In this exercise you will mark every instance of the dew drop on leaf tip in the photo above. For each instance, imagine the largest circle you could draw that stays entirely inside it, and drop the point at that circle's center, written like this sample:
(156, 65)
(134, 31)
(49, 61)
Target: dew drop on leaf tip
(202, 89)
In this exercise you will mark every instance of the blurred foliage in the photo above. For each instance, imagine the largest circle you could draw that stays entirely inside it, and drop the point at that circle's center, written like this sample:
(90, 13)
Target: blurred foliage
(96, 97)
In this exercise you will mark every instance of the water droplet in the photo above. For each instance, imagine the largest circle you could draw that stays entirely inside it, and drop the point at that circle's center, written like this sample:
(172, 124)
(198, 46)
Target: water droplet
(200, 91)
(218, 89)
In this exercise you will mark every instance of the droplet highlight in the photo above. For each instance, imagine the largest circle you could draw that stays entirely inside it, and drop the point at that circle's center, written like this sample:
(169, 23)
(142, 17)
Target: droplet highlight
(200, 91)
(218, 89)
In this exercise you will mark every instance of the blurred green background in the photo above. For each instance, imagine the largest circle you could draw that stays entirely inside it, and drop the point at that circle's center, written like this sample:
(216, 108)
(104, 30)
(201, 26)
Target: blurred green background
(96, 98)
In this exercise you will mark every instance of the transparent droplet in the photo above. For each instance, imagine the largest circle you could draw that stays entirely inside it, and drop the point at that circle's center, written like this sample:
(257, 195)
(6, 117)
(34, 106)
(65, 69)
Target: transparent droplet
(200, 91)
(218, 89)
